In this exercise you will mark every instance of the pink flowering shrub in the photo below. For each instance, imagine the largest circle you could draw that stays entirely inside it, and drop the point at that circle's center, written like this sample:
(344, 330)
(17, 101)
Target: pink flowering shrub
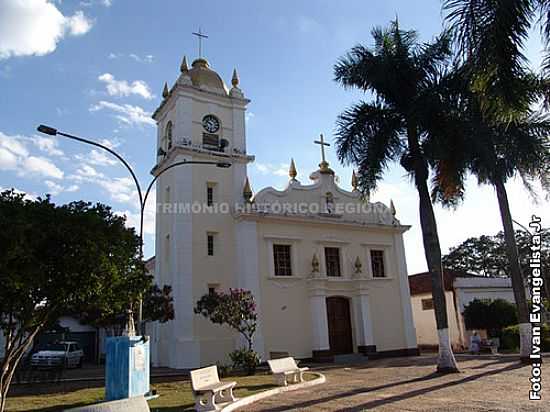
(236, 309)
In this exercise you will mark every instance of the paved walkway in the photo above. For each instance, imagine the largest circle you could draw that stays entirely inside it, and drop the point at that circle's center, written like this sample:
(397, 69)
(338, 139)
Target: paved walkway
(486, 383)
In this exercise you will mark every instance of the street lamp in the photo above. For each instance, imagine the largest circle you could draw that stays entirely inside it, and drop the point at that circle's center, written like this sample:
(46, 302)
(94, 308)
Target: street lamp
(142, 197)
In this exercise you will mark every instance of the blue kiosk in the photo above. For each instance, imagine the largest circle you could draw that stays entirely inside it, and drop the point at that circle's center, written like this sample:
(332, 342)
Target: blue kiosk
(126, 367)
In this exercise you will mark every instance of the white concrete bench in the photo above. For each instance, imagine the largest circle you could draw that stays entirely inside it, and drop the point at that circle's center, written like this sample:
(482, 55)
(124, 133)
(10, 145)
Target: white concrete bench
(285, 368)
(134, 404)
(207, 389)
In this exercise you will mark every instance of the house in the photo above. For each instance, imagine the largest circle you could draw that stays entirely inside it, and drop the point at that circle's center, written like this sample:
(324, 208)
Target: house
(460, 290)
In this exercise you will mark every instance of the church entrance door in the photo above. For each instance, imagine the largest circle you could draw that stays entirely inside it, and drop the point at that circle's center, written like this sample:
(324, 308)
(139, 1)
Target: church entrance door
(339, 325)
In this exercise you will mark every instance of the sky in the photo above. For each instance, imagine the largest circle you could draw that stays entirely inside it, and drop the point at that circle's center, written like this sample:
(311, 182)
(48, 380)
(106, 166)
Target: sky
(96, 68)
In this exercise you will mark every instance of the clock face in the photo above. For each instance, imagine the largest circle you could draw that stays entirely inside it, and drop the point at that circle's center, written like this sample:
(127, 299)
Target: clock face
(210, 123)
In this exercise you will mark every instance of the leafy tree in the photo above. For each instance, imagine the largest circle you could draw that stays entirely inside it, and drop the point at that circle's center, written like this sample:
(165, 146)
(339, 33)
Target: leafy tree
(236, 309)
(57, 260)
(491, 315)
(486, 255)
(406, 79)
(479, 255)
(507, 137)
(110, 312)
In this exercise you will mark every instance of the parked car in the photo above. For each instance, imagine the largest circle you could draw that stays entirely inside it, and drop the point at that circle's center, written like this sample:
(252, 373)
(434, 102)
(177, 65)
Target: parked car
(61, 353)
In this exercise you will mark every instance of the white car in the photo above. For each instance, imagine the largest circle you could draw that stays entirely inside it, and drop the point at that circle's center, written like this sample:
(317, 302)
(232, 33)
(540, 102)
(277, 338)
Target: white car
(66, 353)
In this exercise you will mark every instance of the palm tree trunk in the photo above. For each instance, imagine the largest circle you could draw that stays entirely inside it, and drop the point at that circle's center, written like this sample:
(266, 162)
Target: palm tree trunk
(515, 272)
(446, 362)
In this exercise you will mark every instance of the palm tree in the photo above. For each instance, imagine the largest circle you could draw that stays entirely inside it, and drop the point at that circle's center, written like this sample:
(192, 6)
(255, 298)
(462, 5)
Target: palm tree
(508, 137)
(403, 76)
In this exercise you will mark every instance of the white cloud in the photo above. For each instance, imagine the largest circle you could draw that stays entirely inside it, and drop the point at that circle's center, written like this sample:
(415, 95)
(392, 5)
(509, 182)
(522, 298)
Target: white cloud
(90, 3)
(35, 27)
(47, 145)
(41, 166)
(55, 188)
(128, 114)
(249, 116)
(132, 218)
(267, 168)
(8, 161)
(14, 144)
(78, 24)
(14, 155)
(147, 58)
(121, 189)
(87, 171)
(121, 88)
(97, 158)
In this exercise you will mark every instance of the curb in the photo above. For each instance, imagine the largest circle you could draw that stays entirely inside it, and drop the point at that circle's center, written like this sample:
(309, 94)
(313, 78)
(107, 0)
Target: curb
(239, 403)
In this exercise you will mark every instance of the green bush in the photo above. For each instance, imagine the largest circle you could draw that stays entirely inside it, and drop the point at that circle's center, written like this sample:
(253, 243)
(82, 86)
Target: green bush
(492, 315)
(245, 359)
(510, 338)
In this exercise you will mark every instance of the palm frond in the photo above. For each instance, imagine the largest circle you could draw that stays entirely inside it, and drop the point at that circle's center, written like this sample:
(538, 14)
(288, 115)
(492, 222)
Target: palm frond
(491, 35)
(369, 136)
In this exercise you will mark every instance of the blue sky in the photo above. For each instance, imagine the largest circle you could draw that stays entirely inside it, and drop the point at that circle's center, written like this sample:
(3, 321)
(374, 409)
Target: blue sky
(96, 68)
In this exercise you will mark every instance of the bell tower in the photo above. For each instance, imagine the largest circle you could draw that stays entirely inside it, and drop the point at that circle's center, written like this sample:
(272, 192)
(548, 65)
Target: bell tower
(199, 119)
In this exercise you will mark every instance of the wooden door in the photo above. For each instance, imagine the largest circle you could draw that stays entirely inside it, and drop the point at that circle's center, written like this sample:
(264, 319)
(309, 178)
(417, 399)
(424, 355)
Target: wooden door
(339, 325)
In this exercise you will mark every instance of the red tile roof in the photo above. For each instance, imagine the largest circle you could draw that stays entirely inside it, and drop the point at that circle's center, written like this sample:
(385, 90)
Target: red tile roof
(422, 282)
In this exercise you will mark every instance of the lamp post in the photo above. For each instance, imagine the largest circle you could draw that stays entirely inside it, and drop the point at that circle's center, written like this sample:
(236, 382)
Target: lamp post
(141, 195)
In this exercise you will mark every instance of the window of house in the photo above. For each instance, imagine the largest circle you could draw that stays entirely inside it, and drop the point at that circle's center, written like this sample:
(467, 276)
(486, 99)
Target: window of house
(377, 262)
(212, 288)
(168, 134)
(332, 259)
(427, 304)
(210, 243)
(281, 257)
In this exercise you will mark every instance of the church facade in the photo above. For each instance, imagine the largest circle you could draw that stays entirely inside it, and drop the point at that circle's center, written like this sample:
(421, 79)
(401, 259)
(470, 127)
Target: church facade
(326, 266)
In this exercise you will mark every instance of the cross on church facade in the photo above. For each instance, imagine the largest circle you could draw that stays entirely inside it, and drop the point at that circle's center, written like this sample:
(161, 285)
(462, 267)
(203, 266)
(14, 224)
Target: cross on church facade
(200, 36)
(322, 143)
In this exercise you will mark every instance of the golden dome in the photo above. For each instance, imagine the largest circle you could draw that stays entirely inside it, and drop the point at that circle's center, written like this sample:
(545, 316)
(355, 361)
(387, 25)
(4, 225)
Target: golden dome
(202, 75)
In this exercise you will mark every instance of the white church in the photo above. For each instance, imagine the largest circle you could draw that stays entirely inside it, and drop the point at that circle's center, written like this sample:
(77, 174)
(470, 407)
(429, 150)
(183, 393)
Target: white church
(327, 267)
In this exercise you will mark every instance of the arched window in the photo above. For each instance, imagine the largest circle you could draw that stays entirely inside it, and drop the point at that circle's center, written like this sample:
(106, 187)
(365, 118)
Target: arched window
(168, 136)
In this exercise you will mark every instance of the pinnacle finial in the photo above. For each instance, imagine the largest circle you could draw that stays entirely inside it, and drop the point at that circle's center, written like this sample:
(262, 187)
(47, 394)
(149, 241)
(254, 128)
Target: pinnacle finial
(235, 78)
(354, 182)
(184, 68)
(292, 170)
(392, 208)
(165, 91)
(247, 190)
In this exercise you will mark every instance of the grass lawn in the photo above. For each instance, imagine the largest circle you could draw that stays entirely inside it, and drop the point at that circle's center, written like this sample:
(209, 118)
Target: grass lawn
(174, 395)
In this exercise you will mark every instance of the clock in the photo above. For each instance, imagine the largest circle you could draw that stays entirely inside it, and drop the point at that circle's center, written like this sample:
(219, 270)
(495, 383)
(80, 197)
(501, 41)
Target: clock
(211, 123)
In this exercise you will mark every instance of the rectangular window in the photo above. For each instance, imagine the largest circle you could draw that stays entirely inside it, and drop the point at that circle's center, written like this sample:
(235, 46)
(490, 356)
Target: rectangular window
(332, 259)
(209, 195)
(281, 257)
(377, 262)
(427, 304)
(210, 244)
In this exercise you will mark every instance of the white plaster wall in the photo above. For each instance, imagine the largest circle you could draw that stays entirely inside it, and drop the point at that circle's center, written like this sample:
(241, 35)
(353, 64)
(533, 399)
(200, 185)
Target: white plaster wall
(189, 340)
(288, 302)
